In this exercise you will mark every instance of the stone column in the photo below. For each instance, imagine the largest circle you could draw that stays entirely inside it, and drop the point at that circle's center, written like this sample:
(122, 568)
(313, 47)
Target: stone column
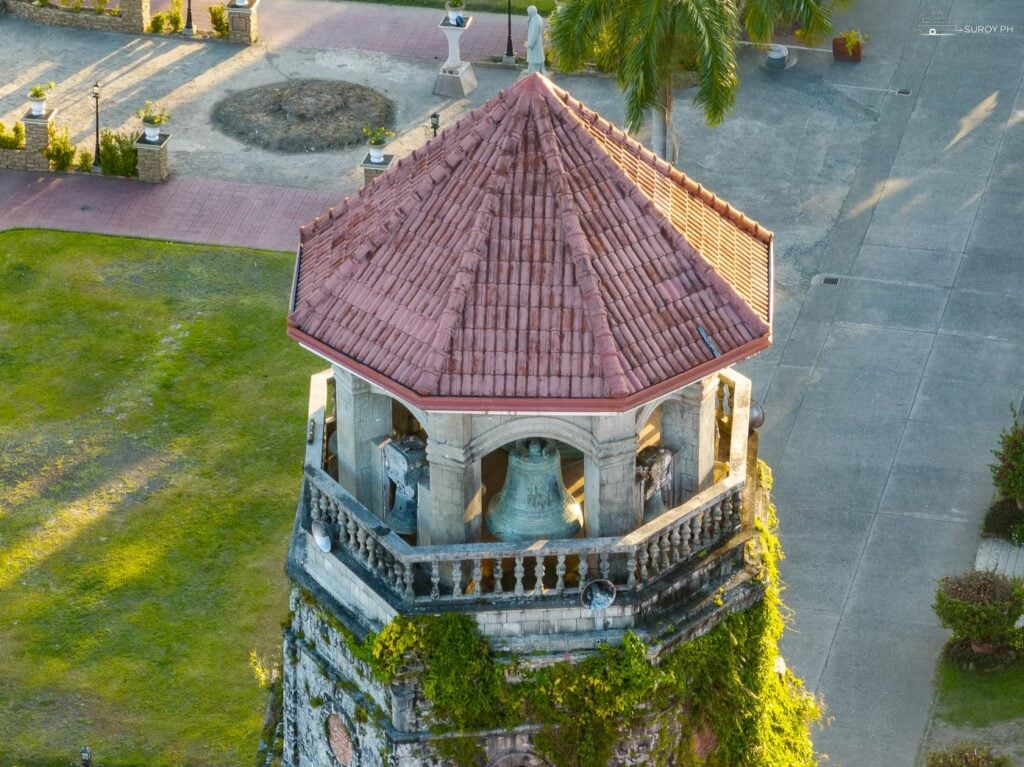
(610, 475)
(153, 158)
(37, 138)
(688, 428)
(457, 78)
(135, 16)
(242, 22)
(454, 512)
(364, 424)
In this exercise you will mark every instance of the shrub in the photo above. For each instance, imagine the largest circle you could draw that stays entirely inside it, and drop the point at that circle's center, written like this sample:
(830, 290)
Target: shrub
(84, 162)
(1008, 470)
(219, 20)
(966, 754)
(157, 22)
(39, 90)
(174, 16)
(59, 150)
(1002, 516)
(75, 6)
(13, 140)
(100, 6)
(152, 113)
(980, 605)
(118, 155)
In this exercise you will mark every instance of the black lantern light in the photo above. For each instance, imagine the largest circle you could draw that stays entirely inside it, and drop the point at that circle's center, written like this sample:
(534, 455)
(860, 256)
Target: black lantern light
(190, 28)
(95, 164)
(435, 122)
(509, 52)
(86, 754)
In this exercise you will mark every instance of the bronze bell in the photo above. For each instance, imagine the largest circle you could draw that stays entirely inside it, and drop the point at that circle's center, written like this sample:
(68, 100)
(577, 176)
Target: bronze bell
(533, 503)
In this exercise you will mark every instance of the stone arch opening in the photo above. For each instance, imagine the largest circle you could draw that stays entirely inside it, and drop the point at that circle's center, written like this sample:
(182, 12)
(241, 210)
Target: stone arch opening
(403, 469)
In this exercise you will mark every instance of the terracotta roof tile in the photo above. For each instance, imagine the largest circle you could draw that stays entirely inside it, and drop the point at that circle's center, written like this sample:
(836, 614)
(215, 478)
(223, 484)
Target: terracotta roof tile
(532, 252)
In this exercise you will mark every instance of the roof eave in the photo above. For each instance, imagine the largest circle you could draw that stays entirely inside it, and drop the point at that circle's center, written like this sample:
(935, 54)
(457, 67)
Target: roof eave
(592, 405)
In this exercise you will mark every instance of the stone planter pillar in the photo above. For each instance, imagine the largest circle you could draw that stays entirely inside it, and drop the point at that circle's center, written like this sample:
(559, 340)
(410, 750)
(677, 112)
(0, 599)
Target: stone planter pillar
(373, 169)
(242, 22)
(153, 159)
(456, 78)
(135, 15)
(37, 138)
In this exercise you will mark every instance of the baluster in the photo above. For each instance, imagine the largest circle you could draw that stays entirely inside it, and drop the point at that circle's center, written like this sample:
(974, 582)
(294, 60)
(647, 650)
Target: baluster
(351, 528)
(457, 579)
(560, 572)
(603, 565)
(519, 571)
(371, 553)
(584, 568)
(410, 595)
(538, 573)
(499, 573)
(389, 570)
(685, 549)
(631, 569)
(643, 564)
(326, 506)
(674, 545)
(705, 529)
(664, 544)
(435, 579)
(716, 519)
(654, 549)
(314, 502)
(695, 532)
(361, 545)
(478, 576)
(735, 508)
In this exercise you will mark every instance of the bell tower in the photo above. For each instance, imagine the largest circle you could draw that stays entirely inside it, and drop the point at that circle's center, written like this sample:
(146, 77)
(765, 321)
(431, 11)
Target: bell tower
(529, 418)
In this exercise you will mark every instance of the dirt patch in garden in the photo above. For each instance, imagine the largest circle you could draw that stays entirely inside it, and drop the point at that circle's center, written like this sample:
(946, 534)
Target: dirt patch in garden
(304, 115)
(1005, 738)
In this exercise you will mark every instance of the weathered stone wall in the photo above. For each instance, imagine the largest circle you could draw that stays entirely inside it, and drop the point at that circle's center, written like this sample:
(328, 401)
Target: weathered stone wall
(37, 138)
(130, 19)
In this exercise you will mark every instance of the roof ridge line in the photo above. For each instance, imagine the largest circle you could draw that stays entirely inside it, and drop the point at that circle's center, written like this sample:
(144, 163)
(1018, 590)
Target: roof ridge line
(458, 294)
(581, 254)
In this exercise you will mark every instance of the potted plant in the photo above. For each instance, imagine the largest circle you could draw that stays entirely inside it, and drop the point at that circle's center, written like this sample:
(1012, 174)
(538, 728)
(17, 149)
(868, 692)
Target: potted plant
(377, 139)
(980, 606)
(455, 9)
(849, 45)
(152, 116)
(1008, 471)
(37, 97)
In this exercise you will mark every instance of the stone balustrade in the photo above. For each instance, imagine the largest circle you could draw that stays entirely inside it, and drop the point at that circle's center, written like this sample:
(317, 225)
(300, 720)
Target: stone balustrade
(537, 570)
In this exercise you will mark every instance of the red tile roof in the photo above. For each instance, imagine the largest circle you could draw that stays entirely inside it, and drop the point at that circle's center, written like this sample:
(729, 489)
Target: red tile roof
(533, 257)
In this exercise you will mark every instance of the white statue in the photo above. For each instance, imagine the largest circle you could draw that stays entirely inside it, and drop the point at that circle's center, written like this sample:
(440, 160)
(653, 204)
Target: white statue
(534, 41)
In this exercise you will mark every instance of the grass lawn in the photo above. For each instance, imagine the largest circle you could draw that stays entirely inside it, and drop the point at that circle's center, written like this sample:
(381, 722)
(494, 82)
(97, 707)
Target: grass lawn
(980, 698)
(151, 439)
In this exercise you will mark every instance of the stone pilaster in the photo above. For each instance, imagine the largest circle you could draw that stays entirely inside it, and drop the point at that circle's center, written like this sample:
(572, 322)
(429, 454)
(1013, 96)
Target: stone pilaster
(37, 138)
(152, 166)
(242, 22)
(364, 424)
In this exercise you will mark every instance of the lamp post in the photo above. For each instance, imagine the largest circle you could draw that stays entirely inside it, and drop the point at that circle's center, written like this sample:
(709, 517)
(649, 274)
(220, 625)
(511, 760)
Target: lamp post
(190, 28)
(435, 123)
(95, 165)
(86, 754)
(509, 52)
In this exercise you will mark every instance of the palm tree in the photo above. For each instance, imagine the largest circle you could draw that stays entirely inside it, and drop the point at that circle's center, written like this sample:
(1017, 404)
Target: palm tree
(644, 42)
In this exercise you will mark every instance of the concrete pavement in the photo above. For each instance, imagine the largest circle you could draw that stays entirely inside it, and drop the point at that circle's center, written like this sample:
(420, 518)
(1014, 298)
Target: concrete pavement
(884, 391)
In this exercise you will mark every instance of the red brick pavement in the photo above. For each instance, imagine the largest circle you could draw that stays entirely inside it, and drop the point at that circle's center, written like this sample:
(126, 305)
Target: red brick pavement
(395, 30)
(187, 209)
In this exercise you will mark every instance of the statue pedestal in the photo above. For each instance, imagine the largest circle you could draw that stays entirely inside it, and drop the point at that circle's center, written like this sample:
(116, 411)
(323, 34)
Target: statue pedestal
(456, 78)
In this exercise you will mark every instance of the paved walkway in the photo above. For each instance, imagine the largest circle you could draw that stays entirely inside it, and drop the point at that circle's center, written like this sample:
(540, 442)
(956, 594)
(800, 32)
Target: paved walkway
(1001, 556)
(884, 392)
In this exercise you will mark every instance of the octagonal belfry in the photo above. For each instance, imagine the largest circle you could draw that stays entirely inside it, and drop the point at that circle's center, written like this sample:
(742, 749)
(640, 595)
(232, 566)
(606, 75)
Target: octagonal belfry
(530, 323)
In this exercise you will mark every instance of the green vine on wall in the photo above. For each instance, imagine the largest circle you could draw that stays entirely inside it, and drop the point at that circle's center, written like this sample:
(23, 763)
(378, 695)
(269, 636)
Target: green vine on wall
(725, 681)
